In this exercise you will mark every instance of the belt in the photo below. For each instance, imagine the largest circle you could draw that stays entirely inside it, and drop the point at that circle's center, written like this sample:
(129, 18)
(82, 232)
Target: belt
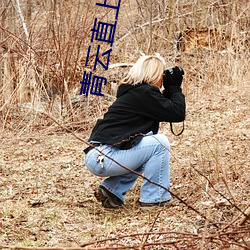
(93, 145)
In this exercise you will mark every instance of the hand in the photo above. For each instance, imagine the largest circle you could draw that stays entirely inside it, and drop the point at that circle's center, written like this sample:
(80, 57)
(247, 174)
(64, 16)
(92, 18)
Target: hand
(173, 77)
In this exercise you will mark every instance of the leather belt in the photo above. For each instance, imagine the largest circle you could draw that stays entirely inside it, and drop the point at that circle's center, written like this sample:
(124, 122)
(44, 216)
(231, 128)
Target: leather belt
(93, 145)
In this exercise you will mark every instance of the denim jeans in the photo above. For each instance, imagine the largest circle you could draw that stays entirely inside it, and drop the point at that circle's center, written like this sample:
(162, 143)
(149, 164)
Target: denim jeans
(149, 157)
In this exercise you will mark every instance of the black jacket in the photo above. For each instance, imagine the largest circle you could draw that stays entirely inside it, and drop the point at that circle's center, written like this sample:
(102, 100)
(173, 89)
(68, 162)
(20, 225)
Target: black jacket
(138, 110)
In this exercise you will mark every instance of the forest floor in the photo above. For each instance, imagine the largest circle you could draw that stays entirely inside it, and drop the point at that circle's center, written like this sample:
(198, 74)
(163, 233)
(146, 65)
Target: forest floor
(46, 192)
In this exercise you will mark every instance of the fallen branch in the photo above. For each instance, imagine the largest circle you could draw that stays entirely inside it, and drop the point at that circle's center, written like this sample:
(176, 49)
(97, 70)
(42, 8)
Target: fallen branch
(39, 248)
(174, 237)
(217, 191)
(246, 216)
(132, 171)
(115, 65)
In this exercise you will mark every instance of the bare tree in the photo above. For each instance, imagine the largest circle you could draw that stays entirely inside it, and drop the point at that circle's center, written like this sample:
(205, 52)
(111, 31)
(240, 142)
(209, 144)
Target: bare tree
(28, 86)
(6, 71)
(203, 22)
(171, 19)
(150, 10)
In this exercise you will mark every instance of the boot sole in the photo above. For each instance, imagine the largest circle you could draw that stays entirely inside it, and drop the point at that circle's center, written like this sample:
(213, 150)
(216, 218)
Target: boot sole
(102, 196)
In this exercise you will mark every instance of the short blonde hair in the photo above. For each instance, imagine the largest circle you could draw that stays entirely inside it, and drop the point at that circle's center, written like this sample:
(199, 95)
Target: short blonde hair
(148, 69)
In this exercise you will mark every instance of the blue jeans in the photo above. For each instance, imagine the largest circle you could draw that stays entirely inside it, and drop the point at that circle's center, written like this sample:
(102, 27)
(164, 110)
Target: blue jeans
(149, 157)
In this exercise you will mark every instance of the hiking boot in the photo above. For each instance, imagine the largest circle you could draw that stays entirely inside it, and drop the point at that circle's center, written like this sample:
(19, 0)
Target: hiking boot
(151, 206)
(107, 199)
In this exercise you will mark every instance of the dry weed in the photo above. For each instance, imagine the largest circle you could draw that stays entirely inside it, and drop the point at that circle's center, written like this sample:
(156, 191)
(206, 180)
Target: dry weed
(46, 197)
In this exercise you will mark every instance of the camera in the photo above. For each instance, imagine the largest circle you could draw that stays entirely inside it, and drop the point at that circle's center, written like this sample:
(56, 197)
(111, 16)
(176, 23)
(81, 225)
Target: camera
(173, 76)
(171, 70)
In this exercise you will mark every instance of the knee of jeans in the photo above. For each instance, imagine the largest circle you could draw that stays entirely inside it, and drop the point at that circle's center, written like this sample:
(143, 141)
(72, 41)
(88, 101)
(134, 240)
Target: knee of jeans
(163, 141)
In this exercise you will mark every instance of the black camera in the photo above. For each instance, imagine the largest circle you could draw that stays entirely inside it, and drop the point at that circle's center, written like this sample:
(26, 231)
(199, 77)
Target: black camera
(173, 76)
(171, 70)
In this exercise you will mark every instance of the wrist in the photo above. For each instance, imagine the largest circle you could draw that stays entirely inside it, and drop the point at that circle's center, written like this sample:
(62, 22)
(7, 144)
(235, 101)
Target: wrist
(174, 89)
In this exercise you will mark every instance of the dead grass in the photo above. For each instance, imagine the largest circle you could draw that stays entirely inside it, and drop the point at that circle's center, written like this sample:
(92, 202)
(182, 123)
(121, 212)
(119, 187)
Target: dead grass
(47, 200)
(46, 193)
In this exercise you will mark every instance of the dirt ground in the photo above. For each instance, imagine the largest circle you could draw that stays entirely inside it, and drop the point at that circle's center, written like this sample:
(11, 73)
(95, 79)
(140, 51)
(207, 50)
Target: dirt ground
(46, 193)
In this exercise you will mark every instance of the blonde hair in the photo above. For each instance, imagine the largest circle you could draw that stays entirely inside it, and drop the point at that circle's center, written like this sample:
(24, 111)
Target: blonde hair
(148, 69)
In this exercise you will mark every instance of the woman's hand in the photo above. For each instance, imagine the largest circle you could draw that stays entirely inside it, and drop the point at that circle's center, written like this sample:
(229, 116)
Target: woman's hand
(173, 77)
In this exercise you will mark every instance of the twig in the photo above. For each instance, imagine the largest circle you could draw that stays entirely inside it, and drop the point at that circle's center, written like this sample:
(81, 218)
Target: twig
(231, 223)
(175, 237)
(130, 170)
(156, 217)
(141, 234)
(223, 179)
(19, 11)
(246, 217)
(180, 237)
(115, 65)
(234, 205)
(39, 248)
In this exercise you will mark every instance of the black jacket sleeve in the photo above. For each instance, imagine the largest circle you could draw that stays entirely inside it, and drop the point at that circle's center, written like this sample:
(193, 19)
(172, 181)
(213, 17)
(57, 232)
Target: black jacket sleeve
(168, 107)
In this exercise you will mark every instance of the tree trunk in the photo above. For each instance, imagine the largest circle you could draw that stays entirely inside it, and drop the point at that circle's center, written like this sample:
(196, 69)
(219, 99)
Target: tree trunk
(6, 75)
(28, 87)
(150, 9)
(171, 20)
(203, 21)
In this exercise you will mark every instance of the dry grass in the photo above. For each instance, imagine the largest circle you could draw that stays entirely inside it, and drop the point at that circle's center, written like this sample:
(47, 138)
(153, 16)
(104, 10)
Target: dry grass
(46, 193)
(47, 199)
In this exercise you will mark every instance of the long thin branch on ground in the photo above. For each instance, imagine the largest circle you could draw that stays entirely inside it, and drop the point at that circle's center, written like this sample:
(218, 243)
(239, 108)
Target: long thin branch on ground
(217, 191)
(132, 171)
(174, 237)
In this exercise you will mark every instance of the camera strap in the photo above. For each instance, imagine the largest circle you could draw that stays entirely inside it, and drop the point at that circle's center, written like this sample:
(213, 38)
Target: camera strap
(172, 130)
